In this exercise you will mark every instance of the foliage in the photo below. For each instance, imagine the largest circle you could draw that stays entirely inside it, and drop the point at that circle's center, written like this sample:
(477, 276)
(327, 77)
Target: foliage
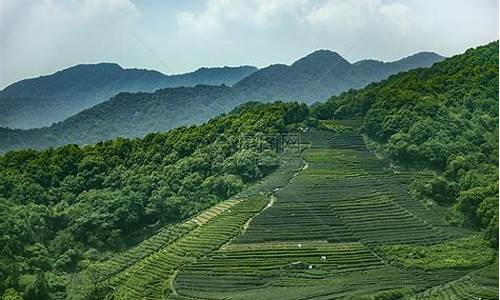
(63, 208)
(126, 115)
(468, 252)
(397, 294)
(444, 117)
(333, 125)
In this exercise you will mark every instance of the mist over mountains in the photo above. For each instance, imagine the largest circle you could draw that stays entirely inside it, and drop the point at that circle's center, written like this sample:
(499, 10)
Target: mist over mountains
(41, 101)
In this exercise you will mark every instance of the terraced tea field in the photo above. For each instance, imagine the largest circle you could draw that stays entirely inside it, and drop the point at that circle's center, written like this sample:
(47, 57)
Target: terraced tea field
(322, 227)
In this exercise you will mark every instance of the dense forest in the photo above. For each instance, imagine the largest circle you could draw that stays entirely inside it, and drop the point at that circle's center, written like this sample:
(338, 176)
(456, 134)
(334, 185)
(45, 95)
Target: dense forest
(41, 101)
(445, 118)
(63, 208)
(314, 77)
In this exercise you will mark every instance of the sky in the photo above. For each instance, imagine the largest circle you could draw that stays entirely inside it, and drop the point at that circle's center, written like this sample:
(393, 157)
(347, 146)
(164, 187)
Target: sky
(39, 37)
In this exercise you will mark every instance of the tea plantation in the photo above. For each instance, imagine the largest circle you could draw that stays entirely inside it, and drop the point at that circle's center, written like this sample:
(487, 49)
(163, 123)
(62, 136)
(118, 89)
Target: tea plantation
(335, 223)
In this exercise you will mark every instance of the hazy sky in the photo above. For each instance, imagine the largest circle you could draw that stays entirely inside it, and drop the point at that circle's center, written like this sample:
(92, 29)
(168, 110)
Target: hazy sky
(41, 36)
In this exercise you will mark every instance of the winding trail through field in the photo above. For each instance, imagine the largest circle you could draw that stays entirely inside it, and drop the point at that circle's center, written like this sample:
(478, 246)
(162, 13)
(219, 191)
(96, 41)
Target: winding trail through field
(272, 200)
(172, 282)
(272, 197)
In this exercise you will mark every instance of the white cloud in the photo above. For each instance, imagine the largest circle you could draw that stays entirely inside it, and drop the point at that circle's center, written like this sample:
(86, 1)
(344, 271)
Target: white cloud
(314, 22)
(346, 13)
(219, 15)
(36, 34)
(118, 8)
(400, 14)
(300, 24)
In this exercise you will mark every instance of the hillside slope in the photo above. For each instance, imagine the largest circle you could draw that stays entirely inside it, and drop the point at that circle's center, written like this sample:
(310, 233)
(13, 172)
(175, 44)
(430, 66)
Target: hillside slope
(62, 209)
(444, 118)
(314, 77)
(339, 227)
(47, 99)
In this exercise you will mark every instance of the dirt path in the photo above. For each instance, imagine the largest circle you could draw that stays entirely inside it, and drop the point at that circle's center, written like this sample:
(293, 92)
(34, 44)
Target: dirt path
(272, 200)
(272, 197)
(172, 280)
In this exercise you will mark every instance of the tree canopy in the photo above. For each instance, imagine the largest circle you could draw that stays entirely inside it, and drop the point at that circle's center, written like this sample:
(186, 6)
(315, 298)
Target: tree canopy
(66, 207)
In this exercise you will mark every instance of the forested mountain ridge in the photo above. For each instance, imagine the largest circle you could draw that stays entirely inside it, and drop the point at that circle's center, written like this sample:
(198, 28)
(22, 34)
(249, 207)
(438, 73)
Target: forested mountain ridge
(65, 207)
(322, 74)
(314, 77)
(444, 117)
(164, 109)
(47, 99)
(128, 115)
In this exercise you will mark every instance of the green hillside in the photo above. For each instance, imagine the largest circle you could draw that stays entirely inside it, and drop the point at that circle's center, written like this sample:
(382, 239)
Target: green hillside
(445, 118)
(340, 224)
(127, 115)
(388, 192)
(64, 208)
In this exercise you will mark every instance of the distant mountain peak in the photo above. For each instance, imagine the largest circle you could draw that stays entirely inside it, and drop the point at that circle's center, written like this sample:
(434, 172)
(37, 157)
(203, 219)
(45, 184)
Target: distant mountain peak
(103, 66)
(424, 55)
(226, 68)
(55, 97)
(321, 57)
(420, 58)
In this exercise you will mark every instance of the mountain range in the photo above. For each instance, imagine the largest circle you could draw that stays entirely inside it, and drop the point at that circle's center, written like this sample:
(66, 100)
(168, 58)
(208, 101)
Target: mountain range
(315, 77)
(322, 74)
(41, 101)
